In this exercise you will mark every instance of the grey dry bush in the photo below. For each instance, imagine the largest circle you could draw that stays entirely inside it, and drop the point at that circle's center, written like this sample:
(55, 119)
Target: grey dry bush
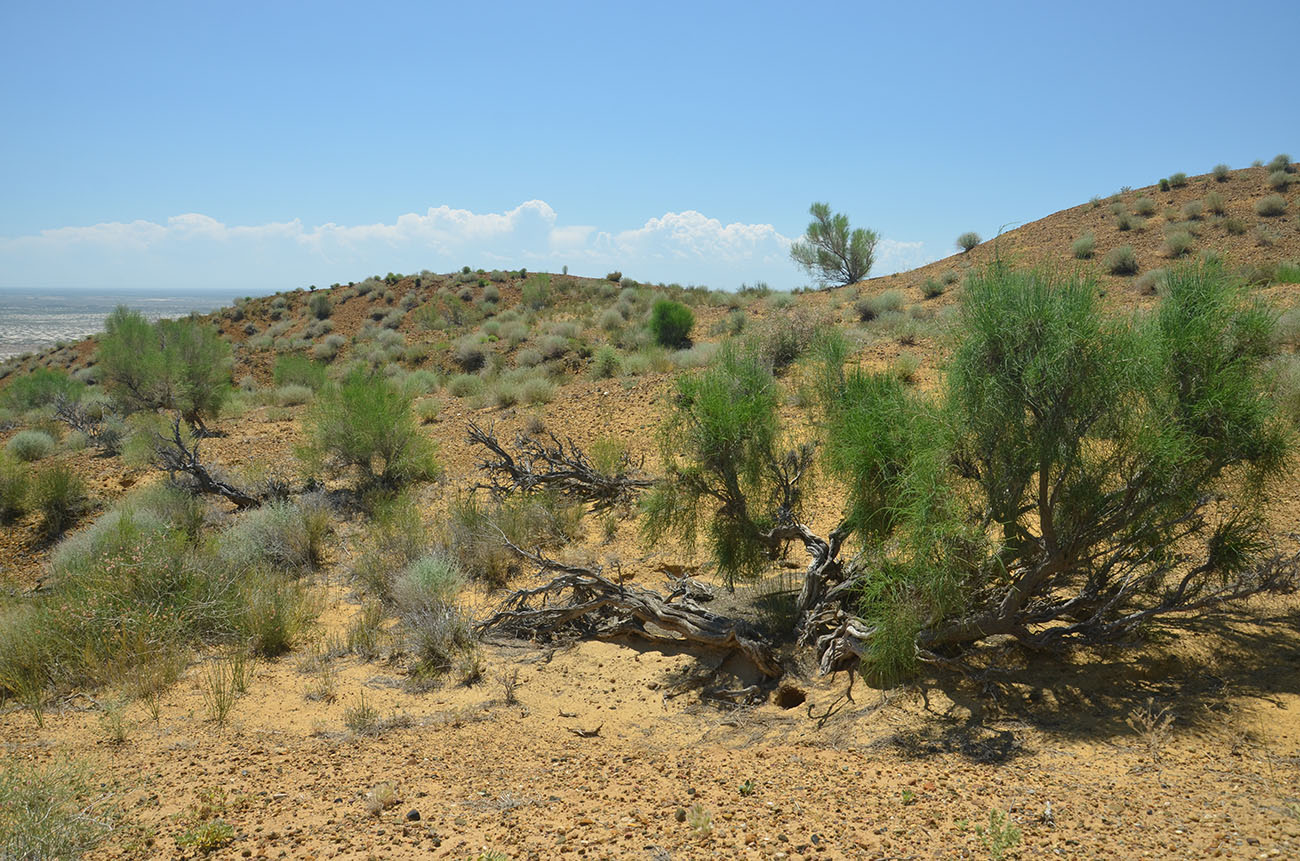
(1121, 261)
(968, 240)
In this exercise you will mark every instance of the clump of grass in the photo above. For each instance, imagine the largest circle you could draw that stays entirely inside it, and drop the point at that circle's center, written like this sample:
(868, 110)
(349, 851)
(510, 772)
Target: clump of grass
(1214, 202)
(1271, 206)
(1235, 226)
(1000, 837)
(1144, 206)
(906, 366)
(14, 481)
(362, 718)
(59, 495)
(606, 363)
(933, 288)
(366, 634)
(871, 307)
(1279, 180)
(1084, 247)
(1220, 172)
(427, 410)
(285, 536)
(381, 797)
(1193, 210)
(207, 837)
(1178, 180)
(1121, 261)
(30, 445)
(438, 632)
(1150, 282)
(46, 813)
(1177, 243)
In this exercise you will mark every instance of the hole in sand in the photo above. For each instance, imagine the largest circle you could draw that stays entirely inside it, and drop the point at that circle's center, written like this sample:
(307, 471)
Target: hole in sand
(788, 696)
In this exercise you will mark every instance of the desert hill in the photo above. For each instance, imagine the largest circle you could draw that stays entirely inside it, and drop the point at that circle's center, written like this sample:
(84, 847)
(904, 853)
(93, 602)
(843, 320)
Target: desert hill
(1188, 746)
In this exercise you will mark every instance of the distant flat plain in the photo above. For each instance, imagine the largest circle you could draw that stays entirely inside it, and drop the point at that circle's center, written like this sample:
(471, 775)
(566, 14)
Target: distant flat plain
(34, 318)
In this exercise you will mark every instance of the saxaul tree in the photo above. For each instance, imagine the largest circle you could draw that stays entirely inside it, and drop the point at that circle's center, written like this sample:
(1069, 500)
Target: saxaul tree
(831, 252)
(1078, 477)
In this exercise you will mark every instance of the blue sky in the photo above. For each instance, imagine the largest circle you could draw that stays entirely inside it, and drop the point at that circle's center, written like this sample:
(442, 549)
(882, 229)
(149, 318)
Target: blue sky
(275, 144)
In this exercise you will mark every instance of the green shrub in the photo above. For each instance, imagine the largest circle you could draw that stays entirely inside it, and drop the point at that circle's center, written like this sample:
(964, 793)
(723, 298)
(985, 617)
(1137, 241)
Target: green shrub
(466, 385)
(1125, 222)
(1177, 180)
(181, 365)
(1214, 202)
(1144, 206)
(14, 481)
(297, 370)
(1121, 261)
(784, 339)
(830, 252)
(274, 613)
(1279, 180)
(535, 293)
(1083, 247)
(1220, 172)
(438, 633)
(933, 288)
(606, 363)
(1281, 162)
(1192, 210)
(293, 395)
(1287, 272)
(1271, 206)
(968, 240)
(1234, 226)
(671, 324)
(470, 354)
(41, 387)
(871, 307)
(30, 445)
(364, 423)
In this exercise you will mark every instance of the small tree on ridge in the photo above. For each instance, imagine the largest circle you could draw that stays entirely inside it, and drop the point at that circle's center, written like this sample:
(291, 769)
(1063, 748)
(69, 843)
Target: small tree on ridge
(832, 253)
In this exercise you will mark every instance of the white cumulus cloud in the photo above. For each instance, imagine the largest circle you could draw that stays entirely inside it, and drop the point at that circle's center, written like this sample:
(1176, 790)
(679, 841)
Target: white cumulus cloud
(199, 250)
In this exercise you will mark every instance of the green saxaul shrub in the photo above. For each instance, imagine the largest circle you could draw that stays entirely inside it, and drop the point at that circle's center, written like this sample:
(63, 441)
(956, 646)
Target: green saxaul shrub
(41, 387)
(1178, 180)
(1281, 161)
(1279, 180)
(968, 240)
(364, 423)
(671, 324)
(1121, 261)
(30, 445)
(1220, 172)
(295, 369)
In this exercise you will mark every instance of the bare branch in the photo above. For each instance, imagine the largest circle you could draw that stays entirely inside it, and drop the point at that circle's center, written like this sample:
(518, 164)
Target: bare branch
(553, 464)
(174, 455)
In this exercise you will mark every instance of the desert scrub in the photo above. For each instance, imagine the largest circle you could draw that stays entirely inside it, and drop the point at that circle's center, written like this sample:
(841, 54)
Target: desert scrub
(48, 813)
(14, 480)
(364, 424)
(870, 307)
(286, 536)
(1220, 172)
(605, 363)
(438, 633)
(671, 324)
(1271, 206)
(42, 387)
(275, 613)
(30, 445)
(1279, 180)
(968, 240)
(1177, 180)
(328, 349)
(933, 288)
(392, 540)
(1214, 202)
(1177, 243)
(1121, 261)
(1083, 247)
(122, 593)
(293, 369)
(59, 495)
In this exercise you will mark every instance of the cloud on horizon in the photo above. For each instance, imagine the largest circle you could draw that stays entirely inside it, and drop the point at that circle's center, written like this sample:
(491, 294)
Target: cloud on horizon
(197, 250)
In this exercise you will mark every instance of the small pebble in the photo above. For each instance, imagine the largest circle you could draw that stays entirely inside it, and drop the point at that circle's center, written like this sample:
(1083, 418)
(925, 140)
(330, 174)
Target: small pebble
(413, 815)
